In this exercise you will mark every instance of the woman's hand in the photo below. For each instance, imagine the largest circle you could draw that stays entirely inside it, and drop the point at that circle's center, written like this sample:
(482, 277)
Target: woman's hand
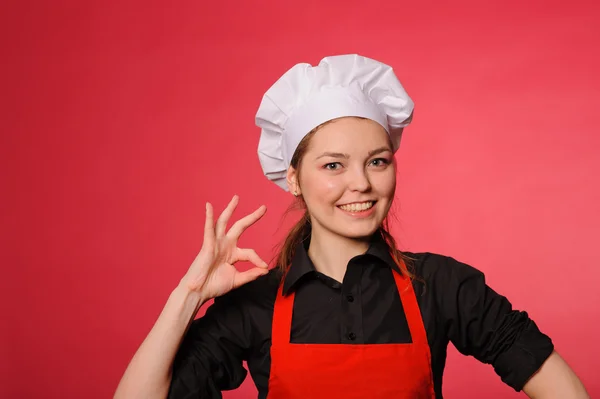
(213, 273)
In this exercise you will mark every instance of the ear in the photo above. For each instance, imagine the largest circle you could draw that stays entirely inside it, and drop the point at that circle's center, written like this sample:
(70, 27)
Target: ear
(292, 181)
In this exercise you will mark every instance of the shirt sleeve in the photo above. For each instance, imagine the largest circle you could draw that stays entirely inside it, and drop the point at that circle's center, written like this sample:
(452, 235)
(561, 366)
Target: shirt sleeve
(210, 358)
(482, 323)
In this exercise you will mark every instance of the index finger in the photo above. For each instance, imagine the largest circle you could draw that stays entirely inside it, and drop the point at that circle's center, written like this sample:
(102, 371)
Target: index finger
(209, 230)
(241, 225)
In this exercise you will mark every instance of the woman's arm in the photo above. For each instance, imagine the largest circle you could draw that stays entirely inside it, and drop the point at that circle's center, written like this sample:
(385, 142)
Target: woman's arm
(148, 375)
(555, 379)
(211, 275)
(483, 323)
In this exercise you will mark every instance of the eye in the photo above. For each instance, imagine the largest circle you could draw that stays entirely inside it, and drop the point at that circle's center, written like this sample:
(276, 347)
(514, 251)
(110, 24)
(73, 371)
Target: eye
(332, 166)
(380, 162)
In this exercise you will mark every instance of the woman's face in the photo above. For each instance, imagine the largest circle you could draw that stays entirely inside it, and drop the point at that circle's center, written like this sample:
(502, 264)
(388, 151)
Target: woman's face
(347, 177)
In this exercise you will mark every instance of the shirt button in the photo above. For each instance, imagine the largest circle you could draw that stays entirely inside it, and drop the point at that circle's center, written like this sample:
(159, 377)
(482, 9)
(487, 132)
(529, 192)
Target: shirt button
(350, 298)
(351, 336)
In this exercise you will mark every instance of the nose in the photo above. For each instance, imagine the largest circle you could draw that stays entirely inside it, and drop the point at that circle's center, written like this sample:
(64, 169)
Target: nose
(358, 180)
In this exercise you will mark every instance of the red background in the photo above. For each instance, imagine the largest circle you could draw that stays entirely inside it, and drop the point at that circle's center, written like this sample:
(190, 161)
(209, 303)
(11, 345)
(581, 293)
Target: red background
(121, 120)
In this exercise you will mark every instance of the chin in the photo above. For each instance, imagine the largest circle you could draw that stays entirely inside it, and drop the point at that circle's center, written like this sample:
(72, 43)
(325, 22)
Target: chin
(342, 225)
(356, 230)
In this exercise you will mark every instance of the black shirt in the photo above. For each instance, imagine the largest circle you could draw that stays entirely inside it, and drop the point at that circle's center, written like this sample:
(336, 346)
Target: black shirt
(456, 304)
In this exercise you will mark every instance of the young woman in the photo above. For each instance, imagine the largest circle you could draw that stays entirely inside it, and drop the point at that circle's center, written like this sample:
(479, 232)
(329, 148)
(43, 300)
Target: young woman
(345, 313)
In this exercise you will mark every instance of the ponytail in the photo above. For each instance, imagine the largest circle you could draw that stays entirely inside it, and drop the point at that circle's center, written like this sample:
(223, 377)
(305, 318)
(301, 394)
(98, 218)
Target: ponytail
(291, 242)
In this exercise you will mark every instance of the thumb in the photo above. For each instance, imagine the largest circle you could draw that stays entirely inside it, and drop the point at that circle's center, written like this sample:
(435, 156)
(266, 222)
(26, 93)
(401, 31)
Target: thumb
(247, 276)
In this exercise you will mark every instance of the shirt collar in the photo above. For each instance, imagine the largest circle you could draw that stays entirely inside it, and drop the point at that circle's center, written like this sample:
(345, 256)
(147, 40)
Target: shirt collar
(302, 265)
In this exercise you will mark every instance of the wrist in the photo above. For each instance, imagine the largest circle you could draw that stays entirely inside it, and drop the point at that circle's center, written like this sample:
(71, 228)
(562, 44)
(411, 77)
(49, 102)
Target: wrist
(188, 299)
(190, 295)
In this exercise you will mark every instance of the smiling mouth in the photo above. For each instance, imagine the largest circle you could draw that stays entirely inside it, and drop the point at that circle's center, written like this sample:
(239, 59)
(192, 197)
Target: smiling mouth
(357, 206)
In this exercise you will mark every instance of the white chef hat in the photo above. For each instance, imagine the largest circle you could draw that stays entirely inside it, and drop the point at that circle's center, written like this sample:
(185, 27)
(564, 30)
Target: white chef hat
(306, 96)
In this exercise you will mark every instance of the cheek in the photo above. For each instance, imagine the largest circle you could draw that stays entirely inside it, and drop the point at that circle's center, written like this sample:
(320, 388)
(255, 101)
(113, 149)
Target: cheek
(332, 185)
(386, 186)
(319, 187)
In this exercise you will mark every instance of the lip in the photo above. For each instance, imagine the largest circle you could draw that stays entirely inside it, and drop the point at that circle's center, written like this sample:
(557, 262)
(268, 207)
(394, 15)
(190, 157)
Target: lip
(361, 214)
(358, 202)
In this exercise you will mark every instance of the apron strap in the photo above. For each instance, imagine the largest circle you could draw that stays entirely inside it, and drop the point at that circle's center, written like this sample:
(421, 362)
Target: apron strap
(411, 309)
(282, 317)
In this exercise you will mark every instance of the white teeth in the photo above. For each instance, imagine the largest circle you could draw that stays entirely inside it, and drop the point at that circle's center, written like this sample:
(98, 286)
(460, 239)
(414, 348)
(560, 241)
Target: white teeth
(359, 207)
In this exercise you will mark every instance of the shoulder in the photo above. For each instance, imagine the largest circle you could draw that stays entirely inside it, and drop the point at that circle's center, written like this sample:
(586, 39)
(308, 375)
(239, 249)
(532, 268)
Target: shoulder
(433, 269)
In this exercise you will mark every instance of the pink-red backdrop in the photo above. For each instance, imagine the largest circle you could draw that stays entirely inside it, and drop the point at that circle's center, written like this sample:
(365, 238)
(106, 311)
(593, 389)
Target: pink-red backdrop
(120, 120)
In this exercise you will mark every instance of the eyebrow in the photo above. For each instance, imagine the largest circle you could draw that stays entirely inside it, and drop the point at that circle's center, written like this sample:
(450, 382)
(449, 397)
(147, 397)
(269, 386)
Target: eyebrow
(379, 151)
(346, 156)
(334, 155)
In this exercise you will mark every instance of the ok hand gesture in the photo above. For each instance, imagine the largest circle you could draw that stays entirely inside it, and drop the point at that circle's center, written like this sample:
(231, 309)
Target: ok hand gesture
(213, 272)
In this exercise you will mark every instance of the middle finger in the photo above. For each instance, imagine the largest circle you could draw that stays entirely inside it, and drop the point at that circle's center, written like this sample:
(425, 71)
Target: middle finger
(224, 217)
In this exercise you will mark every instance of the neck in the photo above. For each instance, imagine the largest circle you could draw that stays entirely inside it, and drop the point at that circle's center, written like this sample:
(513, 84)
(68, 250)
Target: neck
(330, 252)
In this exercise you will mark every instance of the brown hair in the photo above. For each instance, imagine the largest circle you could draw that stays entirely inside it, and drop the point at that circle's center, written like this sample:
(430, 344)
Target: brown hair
(296, 234)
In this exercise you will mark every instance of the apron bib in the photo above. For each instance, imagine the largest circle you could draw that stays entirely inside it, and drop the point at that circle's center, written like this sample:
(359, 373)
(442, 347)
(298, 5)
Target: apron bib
(313, 371)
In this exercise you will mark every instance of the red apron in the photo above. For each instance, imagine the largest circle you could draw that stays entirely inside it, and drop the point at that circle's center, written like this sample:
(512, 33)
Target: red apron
(312, 371)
